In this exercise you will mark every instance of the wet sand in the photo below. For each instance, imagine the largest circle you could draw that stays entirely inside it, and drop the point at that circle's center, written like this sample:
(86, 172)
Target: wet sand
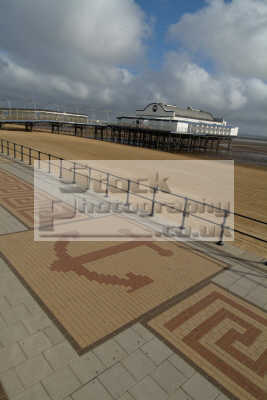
(250, 178)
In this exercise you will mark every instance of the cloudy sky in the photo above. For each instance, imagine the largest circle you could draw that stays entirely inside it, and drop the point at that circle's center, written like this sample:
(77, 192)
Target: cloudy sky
(119, 55)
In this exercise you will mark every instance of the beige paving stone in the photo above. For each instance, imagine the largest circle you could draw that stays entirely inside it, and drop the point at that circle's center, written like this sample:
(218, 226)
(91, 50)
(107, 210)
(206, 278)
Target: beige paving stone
(61, 384)
(129, 340)
(92, 391)
(12, 334)
(35, 344)
(3, 266)
(60, 355)
(126, 396)
(179, 395)
(258, 296)
(200, 388)
(2, 323)
(110, 352)
(182, 365)
(157, 350)
(143, 332)
(87, 367)
(37, 323)
(33, 370)
(148, 389)
(34, 308)
(15, 314)
(36, 392)
(226, 279)
(246, 283)
(4, 305)
(10, 357)
(168, 377)
(117, 380)
(138, 364)
(18, 296)
(11, 383)
(54, 335)
(239, 290)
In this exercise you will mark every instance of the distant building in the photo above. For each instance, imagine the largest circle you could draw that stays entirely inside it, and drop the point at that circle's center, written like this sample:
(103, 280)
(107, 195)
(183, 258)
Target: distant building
(176, 120)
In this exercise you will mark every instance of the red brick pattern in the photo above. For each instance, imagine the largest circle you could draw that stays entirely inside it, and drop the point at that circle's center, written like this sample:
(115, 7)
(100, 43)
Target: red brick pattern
(223, 335)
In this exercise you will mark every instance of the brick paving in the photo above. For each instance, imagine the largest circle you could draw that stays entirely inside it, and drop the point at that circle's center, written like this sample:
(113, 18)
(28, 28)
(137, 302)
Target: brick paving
(38, 361)
(223, 335)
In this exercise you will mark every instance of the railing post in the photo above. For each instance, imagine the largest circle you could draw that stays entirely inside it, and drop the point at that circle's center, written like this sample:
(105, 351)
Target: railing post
(155, 189)
(225, 215)
(7, 147)
(89, 177)
(107, 185)
(128, 193)
(74, 173)
(60, 167)
(2, 146)
(49, 163)
(15, 151)
(39, 158)
(21, 152)
(30, 156)
(184, 214)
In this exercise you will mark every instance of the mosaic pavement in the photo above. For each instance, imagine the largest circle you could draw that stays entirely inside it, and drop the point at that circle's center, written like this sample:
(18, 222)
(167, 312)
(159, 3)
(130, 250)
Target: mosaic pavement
(224, 336)
(96, 288)
(17, 197)
(148, 320)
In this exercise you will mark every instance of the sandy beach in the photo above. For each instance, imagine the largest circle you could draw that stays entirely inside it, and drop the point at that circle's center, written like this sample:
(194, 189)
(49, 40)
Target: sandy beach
(250, 180)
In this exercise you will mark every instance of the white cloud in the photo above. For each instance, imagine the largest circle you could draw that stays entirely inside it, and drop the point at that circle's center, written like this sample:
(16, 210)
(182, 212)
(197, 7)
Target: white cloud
(83, 52)
(233, 35)
(72, 47)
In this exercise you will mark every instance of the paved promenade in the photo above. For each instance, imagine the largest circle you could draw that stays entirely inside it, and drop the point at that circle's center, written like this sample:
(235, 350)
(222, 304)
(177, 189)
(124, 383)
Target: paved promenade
(75, 325)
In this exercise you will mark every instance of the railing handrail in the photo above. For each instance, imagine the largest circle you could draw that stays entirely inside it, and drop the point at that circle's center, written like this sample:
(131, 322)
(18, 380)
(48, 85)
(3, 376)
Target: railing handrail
(154, 189)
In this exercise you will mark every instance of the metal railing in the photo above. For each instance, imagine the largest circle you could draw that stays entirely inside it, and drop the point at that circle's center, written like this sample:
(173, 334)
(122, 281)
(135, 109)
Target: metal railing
(28, 154)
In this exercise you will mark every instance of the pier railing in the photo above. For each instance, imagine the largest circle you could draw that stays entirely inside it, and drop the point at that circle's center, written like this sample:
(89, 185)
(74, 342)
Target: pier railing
(57, 165)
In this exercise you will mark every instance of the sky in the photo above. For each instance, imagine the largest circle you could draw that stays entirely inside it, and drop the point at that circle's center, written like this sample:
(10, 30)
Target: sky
(112, 56)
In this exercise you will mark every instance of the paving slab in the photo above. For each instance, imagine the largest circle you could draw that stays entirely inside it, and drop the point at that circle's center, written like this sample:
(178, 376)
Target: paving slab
(61, 383)
(200, 388)
(11, 334)
(117, 380)
(11, 383)
(129, 340)
(54, 335)
(11, 356)
(35, 344)
(168, 377)
(60, 355)
(92, 391)
(143, 332)
(148, 389)
(182, 365)
(35, 392)
(157, 350)
(87, 367)
(33, 370)
(139, 364)
(110, 352)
